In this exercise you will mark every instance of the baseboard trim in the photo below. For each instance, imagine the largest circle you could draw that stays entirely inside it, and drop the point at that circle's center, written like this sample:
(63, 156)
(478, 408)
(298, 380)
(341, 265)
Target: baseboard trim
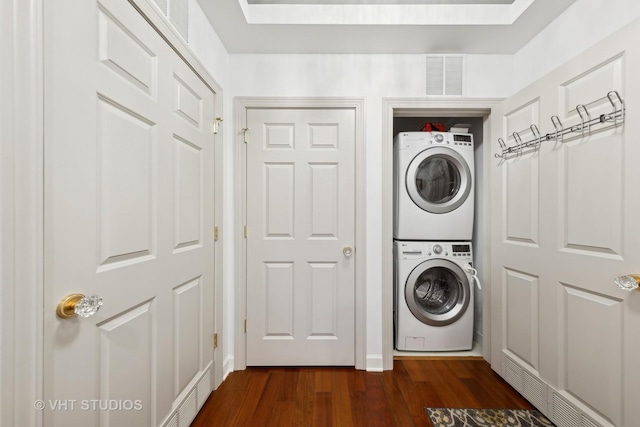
(374, 363)
(227, 367)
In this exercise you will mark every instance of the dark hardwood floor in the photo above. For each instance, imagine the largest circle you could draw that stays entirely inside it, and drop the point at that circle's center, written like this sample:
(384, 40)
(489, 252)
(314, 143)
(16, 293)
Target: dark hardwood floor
(347, 397)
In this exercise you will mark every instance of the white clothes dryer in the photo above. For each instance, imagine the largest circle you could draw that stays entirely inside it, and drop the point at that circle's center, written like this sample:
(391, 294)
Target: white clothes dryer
(433, 186)
(433, 296)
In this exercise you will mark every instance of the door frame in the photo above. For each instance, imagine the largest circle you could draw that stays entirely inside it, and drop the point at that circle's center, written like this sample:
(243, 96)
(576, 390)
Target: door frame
(22, 199)
(436, 107)
(242, 104)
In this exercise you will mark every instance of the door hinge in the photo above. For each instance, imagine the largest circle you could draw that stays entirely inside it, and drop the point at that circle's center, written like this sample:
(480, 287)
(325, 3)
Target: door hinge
(216, 124)
(246, 231)
(245, 326)
(215, 233)
(215, 340)
(244, 131)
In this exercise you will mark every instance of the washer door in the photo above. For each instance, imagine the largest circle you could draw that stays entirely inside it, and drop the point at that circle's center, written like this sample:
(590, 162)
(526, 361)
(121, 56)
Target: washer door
(438, 180)
(437, 292)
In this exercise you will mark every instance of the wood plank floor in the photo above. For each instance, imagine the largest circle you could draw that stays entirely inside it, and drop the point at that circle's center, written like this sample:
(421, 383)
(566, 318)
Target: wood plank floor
(347, 397)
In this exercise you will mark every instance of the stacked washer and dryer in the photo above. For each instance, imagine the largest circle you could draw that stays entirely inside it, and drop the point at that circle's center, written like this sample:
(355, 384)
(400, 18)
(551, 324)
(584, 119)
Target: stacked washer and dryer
(433, 227)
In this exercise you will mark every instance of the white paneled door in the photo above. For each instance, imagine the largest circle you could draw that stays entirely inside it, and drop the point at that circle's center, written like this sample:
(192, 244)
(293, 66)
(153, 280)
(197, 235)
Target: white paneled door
(129, 214)
(564, 225)
(301, 231)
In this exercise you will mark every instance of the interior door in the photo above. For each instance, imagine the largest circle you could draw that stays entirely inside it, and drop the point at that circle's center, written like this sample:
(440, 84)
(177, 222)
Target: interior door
(300, 218)
(129, 211)
(564, 225)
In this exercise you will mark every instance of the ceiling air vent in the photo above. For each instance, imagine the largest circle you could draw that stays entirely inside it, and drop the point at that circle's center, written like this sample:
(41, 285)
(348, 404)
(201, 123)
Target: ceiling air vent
(445, 75)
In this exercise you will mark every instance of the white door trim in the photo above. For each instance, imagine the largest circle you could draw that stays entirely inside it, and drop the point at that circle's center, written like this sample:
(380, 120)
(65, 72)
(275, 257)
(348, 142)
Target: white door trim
(438, 108)
(21, 216)
(21, 203)
(240, 191)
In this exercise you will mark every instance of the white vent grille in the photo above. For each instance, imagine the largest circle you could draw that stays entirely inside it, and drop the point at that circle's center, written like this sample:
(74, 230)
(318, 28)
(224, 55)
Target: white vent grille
(534, 390)
(563, 413)
(179, 16)
(586, 422)
(435, 75)
(453, 75)
(512, 373)
(204, 388)
(188, 410)
(173, 422)
(445, 75)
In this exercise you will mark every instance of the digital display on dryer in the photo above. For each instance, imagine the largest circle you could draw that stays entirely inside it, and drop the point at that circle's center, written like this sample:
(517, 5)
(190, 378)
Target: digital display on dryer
(463, 138)
(461, 248)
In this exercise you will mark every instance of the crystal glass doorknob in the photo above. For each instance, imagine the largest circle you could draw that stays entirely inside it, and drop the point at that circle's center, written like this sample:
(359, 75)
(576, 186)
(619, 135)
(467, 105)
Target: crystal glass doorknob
(347, 251)
(627, 282)
(78, 305)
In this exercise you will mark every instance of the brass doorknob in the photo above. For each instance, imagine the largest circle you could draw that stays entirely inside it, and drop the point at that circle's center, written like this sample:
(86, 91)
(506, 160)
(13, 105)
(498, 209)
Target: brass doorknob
(78, 305)
(628, 282)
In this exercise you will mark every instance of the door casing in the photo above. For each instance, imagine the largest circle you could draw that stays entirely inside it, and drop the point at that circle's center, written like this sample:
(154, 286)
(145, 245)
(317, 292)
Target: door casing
(412, 107)
(242, 104)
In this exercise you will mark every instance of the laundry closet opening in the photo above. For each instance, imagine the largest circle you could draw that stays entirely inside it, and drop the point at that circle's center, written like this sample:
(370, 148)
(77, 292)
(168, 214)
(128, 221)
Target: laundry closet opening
(417, 334)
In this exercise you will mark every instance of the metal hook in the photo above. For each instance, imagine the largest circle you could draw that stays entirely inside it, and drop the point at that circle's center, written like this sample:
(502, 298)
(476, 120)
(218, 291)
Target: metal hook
(557, 124)
(503, 147)
(614, 113)
(519, 144)
(581, 106)
(536, 134)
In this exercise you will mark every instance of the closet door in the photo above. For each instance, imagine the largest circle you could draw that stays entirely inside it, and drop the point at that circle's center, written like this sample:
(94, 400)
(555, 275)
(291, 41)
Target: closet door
(563, 228)
(129, 211)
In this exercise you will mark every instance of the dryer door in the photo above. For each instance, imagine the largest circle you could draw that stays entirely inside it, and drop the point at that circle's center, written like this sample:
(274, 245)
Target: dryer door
(438, 180)
(437, 292)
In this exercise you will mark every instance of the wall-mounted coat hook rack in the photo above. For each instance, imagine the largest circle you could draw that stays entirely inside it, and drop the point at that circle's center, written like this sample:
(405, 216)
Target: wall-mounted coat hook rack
(617, 116)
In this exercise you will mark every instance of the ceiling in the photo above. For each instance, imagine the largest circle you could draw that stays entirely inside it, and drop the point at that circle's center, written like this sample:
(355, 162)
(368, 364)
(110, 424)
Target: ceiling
(379, 26)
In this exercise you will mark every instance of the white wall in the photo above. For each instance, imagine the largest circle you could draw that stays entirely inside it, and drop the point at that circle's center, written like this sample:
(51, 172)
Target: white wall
(207, 46)
(372, 77)
(582, 25)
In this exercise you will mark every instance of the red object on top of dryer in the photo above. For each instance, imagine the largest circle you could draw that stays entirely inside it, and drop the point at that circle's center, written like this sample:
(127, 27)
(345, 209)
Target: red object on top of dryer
(428, 127)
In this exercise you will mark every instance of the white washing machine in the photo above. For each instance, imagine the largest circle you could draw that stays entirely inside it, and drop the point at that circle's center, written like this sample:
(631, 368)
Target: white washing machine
(433, 296)
(433, 186)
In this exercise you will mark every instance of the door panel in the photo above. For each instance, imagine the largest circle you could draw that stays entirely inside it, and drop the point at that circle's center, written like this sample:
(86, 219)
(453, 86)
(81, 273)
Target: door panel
(129, 171)
(300, 216)
(521, 296)
(563, 228)
(592, 225)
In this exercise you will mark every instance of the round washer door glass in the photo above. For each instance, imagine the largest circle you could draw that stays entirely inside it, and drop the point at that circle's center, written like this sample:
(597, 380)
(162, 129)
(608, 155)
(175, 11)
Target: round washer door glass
(438, 180)
(437, 292)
